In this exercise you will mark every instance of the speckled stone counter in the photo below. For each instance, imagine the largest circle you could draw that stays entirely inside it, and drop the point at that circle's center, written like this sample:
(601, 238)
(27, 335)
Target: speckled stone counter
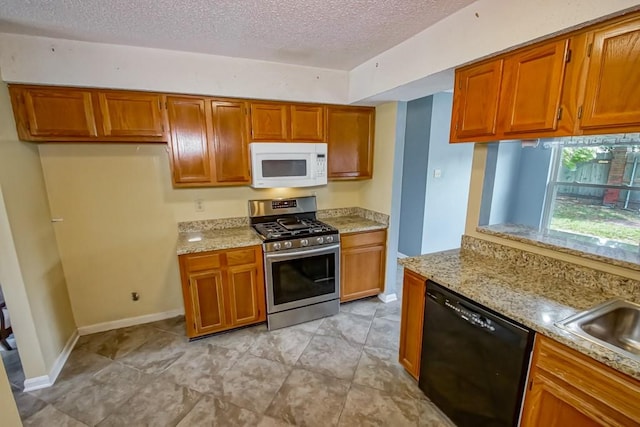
(611, 255)
(212, 240)
(530, 296)
(353, 224)
(226, 233)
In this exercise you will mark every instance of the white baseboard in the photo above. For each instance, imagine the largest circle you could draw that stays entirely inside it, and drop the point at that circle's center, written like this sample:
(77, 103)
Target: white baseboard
(36, 383)
(64, 355)
(130, 321)
(387, 297)
(401, 255)
(44, 381)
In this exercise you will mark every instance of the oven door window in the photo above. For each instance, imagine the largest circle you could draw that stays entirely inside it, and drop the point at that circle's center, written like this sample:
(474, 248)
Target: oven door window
(303, 278)
(278, 168)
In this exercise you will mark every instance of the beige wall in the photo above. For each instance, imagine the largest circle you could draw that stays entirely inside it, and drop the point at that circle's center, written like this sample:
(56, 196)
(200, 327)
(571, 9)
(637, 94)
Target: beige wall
(376, 193)
(473, 216)
(8, 411)
(120, 224)
(35, 285)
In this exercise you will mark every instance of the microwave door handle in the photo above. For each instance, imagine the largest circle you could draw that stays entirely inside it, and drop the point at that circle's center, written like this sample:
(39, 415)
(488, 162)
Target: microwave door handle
(304, 252)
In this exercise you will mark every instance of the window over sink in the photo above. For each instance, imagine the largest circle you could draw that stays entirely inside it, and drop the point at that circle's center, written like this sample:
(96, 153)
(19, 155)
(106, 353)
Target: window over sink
(577, 193)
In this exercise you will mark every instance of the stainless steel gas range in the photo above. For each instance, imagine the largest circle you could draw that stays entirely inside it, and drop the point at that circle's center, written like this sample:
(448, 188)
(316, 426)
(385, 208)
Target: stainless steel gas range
(301, 260)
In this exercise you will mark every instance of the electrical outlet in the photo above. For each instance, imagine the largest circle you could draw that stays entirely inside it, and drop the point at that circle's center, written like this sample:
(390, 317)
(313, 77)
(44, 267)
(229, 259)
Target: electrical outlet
(437, 173)
(135, 296)
(199, 205)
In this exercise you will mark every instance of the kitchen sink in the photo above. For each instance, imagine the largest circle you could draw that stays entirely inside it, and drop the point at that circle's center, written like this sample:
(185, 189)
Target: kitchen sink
(614, 324)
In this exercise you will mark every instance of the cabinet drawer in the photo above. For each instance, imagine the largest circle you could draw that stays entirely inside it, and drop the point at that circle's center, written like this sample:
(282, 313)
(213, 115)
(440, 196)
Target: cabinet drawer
(364, 239)
(239, 257)
(203, 262)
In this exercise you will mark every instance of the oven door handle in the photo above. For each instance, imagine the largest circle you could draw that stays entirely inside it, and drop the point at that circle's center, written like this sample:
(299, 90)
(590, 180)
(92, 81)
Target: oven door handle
(302, 252)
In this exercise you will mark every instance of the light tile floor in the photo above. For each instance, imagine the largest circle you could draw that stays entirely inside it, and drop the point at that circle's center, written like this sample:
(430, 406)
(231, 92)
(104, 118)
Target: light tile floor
(341, 370)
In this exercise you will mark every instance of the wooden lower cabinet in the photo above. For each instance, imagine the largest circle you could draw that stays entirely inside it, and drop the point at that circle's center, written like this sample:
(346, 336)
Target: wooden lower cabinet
(412, 317)
(205, 288)
(246, 295)
(362, 264)
(222, 290)
(567, 388)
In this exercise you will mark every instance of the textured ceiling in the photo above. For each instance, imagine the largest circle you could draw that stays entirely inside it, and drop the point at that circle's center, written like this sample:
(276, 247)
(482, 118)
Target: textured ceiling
(338, 34)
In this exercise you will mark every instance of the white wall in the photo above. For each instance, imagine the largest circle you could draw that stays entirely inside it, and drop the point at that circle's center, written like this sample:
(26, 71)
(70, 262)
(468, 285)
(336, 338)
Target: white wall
(480, 29)
(28, 59)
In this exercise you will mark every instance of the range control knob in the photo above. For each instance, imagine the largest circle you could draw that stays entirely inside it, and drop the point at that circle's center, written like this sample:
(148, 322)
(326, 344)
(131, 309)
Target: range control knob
(277, 246)
(287, 245)
(320, 240)
(304, 242)
(329, 239)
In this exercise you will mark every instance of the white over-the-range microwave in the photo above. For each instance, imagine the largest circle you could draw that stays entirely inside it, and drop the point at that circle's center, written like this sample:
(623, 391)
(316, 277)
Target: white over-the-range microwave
(288, 164)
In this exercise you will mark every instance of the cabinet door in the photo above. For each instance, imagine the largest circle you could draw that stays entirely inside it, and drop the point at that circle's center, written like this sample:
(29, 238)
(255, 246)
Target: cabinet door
(612, 94)
(549, 405)
(59, 112)
(132, 115)
(307, 123)
(532, 88)
(269, 122)
(350, 142)
(245, 295)
(189, 146)
(412, 318)
(207, 299)
(475, 103)
(231, 153)
(567, 388)
(362, 265)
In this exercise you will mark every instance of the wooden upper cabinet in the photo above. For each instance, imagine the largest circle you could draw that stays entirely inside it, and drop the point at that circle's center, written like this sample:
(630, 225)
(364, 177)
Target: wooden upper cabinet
(269, 122)
(87, 115)
(307, 123)
(54, 113)
(567, 388)
(475, 104)
(190, 154)
(280, 122)
(532, 88)
(231, 152)
(131, 115)
(350, 136)
(612, 93)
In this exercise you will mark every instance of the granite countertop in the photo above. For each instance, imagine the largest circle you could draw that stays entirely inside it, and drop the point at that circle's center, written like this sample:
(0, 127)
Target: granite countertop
(353, 224)
(211, 240)
(610, 252)
(239, 236)
(529, 296)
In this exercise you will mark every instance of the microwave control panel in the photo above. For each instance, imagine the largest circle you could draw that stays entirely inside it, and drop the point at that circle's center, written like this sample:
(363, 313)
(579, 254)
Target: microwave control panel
(321, 165)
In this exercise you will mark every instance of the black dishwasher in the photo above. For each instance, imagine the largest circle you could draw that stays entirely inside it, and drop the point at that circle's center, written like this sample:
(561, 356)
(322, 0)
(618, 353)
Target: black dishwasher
(474, 362)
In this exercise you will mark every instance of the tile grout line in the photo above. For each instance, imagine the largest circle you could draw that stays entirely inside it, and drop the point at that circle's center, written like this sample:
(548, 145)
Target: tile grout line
(356, 369)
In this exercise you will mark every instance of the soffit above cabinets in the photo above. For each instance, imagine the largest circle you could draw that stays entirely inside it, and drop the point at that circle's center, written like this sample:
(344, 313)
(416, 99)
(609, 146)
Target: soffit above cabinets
(320, 33)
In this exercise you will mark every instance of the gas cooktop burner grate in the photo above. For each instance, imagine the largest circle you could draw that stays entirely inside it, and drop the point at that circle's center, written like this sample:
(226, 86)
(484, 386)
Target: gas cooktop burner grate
(289, 227)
